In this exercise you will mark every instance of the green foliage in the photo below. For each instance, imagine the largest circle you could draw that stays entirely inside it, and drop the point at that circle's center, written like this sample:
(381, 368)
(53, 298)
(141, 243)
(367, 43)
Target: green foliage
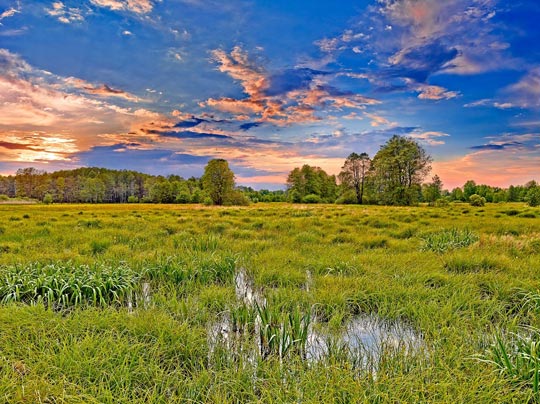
(218, 181)
(132, 199)
(398, 169)
(282, 334)
(516, 356)
(311, 180)
(311, 198)
(448, 239)
(477, 200)
(533, 196)
(331, 263)
(354, 173)
(63, 285)
(48, 199)
(432, 192)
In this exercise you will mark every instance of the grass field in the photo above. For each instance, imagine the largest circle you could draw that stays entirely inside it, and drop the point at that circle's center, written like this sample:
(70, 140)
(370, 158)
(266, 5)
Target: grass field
(170, 303)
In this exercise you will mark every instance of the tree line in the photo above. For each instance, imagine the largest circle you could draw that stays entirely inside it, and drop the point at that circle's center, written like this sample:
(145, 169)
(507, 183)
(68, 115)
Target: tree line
(394, 176)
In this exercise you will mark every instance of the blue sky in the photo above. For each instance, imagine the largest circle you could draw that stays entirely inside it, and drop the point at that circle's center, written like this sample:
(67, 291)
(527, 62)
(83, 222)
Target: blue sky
(162, 86)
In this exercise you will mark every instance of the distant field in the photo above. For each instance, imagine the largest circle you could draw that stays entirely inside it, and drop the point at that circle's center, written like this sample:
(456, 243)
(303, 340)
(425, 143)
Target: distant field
(269, 303)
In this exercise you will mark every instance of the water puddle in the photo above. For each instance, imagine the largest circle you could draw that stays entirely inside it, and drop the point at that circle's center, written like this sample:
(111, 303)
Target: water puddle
(363, 340)
(249, 329)
(141, 299)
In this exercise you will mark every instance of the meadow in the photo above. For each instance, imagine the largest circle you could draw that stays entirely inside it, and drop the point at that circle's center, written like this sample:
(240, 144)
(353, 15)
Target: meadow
(138, 303)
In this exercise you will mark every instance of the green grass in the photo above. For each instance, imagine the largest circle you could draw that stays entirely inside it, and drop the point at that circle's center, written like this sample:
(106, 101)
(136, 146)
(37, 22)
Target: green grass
(113, 303)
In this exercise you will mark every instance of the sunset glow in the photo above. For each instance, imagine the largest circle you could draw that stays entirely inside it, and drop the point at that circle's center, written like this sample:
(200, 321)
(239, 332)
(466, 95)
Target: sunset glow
(164, 86)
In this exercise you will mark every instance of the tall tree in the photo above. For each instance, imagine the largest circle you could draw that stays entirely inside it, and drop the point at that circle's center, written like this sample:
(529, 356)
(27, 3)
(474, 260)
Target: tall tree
(218, 180)
(310, 180)
(399, 168)
(432, 191)
(354, 173)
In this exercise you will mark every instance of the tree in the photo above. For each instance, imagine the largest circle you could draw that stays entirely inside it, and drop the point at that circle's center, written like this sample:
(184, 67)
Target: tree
(433, 191)
(354, 173)
(398, 170)
(310, 180)
(533, 196)
(469, 188)
(218, 180)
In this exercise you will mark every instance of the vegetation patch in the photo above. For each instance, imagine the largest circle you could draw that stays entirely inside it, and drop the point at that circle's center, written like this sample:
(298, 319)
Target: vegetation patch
(449, 239)
(63, 285)
(461, 264)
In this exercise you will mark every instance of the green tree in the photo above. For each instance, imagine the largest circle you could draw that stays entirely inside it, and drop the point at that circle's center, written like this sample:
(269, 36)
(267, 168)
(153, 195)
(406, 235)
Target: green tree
(469, 188)
(398, 170)
(310, 180)
(533, 196)
(432, 191)
(354, 173)
(218, 180)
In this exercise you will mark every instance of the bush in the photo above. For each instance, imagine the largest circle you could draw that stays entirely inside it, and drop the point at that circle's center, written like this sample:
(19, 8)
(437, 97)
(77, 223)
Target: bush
(132, 199)
(295, 197)
(236, 198)
(48, 199)
(533, 197)
(348, 198)
(441, 202)
(183, 197)
(477, 200)
(208, 201)
(4, 198)
(311, 198)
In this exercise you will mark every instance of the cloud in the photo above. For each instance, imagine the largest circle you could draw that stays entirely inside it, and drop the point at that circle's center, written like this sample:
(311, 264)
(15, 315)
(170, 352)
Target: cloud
(526, 92)
(486, 102)
(282, 97)
(408, 42)
(37, 146)
(105, 91)
(39, 109)
(10, 12)
(431, 138)
(66, 15)
(237, 64)
(430, 92)
(134, 6)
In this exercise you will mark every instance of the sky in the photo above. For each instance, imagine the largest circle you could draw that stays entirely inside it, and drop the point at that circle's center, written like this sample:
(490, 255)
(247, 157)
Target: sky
(163, 86)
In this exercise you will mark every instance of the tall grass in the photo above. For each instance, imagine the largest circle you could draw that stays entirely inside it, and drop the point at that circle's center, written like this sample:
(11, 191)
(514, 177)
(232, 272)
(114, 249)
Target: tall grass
(516, 357)
(448, 239)
(62, 285)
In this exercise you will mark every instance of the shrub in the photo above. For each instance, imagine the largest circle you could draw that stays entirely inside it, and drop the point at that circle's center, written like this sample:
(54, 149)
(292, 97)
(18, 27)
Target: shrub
(477, 200)
(348, 198)
(448, 240)
(48, 199)
(311, 198)
(208, 201)
(183, 197)
(132, 199)
(441, 202)
(4, 198)
(533, 197)
(236, 198)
